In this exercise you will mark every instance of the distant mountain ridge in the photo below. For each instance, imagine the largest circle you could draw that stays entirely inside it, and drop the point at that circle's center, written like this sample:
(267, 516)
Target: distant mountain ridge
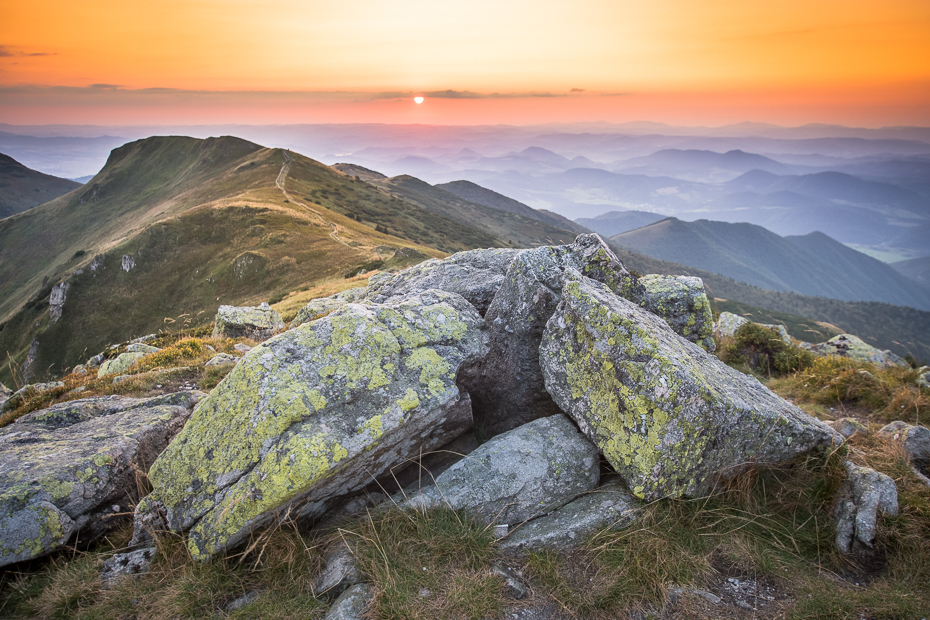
(616, 222)
(22, 188)
(813, 264)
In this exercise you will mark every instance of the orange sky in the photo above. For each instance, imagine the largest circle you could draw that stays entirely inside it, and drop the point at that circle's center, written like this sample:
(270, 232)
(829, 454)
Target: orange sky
(717, 61)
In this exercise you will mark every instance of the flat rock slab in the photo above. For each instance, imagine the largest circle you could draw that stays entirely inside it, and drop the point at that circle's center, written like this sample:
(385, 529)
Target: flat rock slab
(518, 475)
(667, 415)
(66, 468)
(318, 412)
(609, 507)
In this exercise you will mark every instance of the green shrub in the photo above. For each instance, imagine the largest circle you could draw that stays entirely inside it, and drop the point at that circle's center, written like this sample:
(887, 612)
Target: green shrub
(763, 350)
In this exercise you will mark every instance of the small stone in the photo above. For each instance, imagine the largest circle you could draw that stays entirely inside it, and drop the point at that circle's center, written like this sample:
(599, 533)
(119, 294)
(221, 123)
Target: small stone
(847, 427)
(242, 348)
(516, 589)
(221, 359)
(352, 604)
(126, 564)
(339, 572)
(246, 599)
(867, 494)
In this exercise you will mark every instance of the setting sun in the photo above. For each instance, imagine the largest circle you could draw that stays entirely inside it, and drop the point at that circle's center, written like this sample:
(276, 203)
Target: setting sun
(418, 99)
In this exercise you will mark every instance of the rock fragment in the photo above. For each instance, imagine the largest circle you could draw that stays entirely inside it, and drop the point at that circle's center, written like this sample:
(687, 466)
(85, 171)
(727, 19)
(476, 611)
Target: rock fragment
(867, 494)
(352, 604)
(682, 302)
(258, 323)
(849, 346)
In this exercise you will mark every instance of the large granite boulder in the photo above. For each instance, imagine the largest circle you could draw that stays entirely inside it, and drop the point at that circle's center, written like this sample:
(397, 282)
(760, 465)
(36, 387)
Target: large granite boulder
(667, 415)
(476, 275)
(507, 387)
(530, 470)
(682, 302)
(849, 346)
(318, 412)
(69, 467)
(258, 323)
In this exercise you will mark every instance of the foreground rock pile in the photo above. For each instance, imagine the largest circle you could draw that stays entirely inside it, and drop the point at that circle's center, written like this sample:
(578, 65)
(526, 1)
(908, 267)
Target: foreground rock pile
(557, 355)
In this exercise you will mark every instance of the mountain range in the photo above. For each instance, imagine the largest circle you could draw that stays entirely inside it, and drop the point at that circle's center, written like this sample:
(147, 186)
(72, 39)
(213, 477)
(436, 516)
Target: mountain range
(22, 188)
(812, 264)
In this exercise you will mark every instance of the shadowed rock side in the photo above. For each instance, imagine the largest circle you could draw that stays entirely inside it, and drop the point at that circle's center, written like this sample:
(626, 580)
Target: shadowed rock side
(507, 386)
(667, 416)
(318, 412)
(682, 302)
(72, 467)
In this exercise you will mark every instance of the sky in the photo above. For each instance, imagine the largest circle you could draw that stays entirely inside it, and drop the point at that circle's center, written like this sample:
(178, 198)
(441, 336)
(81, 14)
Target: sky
(791, 62)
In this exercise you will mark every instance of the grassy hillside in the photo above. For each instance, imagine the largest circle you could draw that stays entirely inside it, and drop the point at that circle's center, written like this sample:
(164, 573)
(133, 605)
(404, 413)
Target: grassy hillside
(203, 223)
(812, 264)
(22, 188)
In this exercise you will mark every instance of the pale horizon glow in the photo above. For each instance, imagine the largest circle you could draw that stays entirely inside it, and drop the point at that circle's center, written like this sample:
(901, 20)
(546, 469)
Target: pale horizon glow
(861, 62)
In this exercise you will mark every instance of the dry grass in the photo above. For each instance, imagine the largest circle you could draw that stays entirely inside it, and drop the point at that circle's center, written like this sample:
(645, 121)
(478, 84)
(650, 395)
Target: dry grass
(291, 304)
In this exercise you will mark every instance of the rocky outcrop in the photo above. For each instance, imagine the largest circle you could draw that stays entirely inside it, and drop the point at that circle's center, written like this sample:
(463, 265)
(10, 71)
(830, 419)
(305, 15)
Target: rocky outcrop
(849, 346)
(56, 300)
(258, 323)
(72, 467)
(682, 302)
(518, 475)
(318, 308)
(507, 386)
(867, 494)
(318, 412)
(476, 275)
(668, 416)
(221, 359)
(728, 323)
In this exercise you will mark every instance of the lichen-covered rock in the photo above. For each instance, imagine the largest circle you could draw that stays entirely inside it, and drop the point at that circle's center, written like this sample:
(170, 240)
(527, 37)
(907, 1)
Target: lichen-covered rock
(609, 507)
(221, 359)
(120, 364)
(5, 394)
(19, 397)
(68, 467)
(728, 323)
(667, 415)
(316, 309)
(866, 494)
(518, 475)
(847, 427)
(352, 604)
(847, 345)
(914, 439)
(138, 347)
(682, 302)
(258, 323)
(507, 386)
(476, 275)
(923, 377)
(318, 412)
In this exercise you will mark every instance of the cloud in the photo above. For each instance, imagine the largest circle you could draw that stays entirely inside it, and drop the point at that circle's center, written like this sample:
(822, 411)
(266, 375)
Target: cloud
(105, 86)
(6, 52)
(576, 90)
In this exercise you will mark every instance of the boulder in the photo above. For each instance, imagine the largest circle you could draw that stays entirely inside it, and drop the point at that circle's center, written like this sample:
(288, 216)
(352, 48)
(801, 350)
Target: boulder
(609, 507)
(221, 359)
(5, 394)
(914, 439)
(120, 364)
(682, 302)
(476, 275)
(507, 386)
(666, 414)
(352, 604)
(866, 494)
(518, 475)
(728, 323)
(923, 377)
(19, 397)
(849, 346)
(71, 466)
(138, 347)
(316, 413)
(258, 323)
(316, 309)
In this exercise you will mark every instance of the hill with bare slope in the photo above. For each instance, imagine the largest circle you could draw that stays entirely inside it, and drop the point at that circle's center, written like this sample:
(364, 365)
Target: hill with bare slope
(22, 188)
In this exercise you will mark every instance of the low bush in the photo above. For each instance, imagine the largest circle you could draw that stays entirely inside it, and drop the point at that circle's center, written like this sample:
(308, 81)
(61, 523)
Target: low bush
(762, 350)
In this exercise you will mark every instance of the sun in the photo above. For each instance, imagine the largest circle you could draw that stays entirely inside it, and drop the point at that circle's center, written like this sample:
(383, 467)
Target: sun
(418, 99)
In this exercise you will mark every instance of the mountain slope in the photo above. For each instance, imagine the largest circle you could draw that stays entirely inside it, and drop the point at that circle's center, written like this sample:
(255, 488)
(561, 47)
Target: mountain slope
(177, 226)
(810, 265)
(489, 198)
(22, 188)
(917, 269)
(616, 222)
